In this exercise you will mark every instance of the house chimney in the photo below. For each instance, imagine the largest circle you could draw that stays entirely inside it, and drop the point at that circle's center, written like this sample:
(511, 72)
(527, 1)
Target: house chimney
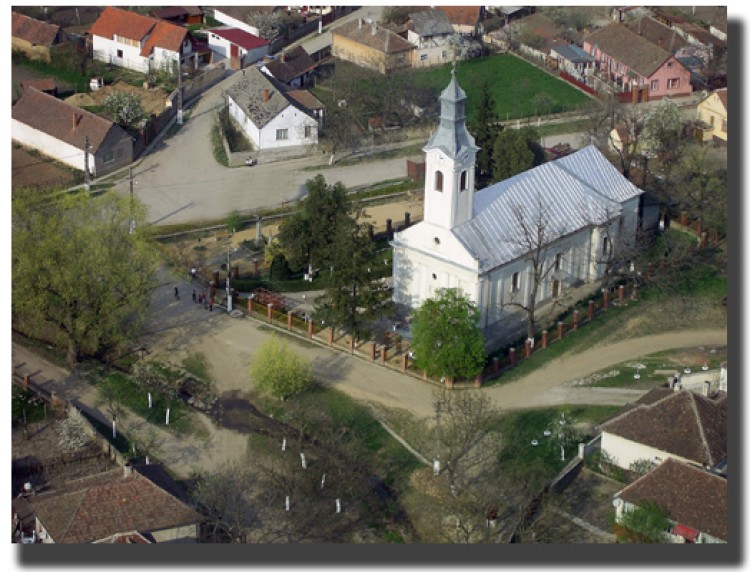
(266, 95)
(706, 388)
(76, 119)
(360, 23)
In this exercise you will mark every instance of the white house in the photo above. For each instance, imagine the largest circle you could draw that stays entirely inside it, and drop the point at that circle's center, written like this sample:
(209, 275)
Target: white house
(240, 47)
(475, 240)
(61, 131)
(272, 116)
(126, 39)
(242, 17)
(695, 500)
(668, 423)
(430, 32)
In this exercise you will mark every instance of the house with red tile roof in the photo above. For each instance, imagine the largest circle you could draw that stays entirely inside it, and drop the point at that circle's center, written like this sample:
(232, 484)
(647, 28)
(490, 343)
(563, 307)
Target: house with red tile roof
(668, 423)
(123, 505)
(61, 131)
(141, 43)
(33, 37)
(695, 500)
(464, 19)
(629, 62)
(240, 47)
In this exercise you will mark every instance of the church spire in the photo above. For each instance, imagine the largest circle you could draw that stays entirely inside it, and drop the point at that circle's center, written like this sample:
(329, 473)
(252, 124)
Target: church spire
(452, 136)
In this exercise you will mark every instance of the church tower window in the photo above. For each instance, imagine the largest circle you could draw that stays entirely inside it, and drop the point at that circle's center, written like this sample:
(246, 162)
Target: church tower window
(464, 180)
(439, 181)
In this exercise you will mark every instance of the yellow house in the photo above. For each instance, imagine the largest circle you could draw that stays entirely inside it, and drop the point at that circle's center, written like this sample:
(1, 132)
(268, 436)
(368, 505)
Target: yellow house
(712, 115)
(372, 46)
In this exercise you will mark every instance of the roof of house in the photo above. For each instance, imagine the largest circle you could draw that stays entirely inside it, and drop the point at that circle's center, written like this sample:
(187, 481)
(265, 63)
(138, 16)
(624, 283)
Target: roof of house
(157, 33)
(244, 13)
(62, 121)
(243, 39)
(33, 31)
(99, 506)
(305, 98)
(568, 195)
(177, 11)
(373, 36)
(682, 423)
(657, 33)
(620, 43)
(723, 95)
(165, 35)
(691, 496)
(462, 15)
(247, 91)
(573, 54)
(428, 23)
(134, 537)
(290, 65)
(42, 84)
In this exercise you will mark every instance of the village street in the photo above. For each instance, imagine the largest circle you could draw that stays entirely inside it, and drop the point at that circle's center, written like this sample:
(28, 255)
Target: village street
(178, 328)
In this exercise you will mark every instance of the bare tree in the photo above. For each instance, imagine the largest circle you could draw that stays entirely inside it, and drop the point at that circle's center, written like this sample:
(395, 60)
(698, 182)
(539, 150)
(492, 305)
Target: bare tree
(620, 127)
(536, 237)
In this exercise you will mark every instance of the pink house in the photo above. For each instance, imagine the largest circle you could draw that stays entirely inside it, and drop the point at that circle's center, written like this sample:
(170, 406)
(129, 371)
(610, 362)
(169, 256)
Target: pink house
(629, 62)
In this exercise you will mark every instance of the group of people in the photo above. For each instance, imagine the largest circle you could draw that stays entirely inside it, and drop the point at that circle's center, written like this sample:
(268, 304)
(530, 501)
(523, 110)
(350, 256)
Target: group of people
(204, 299)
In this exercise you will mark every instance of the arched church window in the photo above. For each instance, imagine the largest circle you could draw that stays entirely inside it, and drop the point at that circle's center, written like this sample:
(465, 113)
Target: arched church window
(438, 181)
(464, 180)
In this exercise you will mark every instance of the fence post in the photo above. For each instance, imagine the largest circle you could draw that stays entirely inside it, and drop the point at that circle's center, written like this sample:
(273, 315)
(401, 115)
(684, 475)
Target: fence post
(351, 344)
(575, 319)
(621, 293)
(495, 364)
(528, 348)
(405, 362)
(269, 312)
(605, 300)
(478, 381)
(373, 349)
(591, 310)
(559, 331)
(449, 382)
(250, 306)
(330, 336)
(545, 341)
(384, 354)
(512, 356)
(289, 320)
(309, 328)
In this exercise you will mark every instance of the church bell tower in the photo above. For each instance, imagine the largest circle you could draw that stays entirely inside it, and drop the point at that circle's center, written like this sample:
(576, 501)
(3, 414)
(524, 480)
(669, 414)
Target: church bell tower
(450, 155)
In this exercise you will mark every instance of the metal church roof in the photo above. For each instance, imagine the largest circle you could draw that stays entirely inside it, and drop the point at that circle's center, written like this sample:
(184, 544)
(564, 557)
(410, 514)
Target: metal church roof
(565, 196)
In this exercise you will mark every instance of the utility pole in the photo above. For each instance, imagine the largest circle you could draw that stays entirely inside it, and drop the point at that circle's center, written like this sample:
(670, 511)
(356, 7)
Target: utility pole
(229, 292)
(436, 462)
(86, 174)
(132, 218)
(179, 92)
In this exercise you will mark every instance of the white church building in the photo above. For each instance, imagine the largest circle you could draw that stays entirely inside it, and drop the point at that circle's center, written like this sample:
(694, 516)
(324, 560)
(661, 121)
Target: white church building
(479, 240)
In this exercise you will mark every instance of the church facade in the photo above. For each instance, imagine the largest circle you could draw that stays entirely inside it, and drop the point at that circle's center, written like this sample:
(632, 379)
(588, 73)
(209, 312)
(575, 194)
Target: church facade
(554, 225)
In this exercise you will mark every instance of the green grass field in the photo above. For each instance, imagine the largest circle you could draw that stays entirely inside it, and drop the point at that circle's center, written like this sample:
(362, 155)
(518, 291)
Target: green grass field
(513, 82)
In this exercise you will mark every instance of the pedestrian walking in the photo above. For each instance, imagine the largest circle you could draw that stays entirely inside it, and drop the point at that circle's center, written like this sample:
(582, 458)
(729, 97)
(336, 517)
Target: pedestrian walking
(194, 295)
(176, 293)
(211, 305)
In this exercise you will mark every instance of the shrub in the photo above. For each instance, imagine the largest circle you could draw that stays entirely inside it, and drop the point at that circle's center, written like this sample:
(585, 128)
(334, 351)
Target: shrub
(280, 372)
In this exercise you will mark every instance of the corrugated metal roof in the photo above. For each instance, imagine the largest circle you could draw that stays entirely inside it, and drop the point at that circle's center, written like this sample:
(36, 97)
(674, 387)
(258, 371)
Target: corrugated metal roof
(594, 169)
(565, 200)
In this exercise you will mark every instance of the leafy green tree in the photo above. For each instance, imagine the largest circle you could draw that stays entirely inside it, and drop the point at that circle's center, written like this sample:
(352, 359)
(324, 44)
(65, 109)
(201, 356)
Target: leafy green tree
(279, 371)
(485, 129)
(78, 272)
(446, 338)
(701, 190)
(234, 221)
(648, 521)
(306, 238)
(125, 108)
(279, 268)
(354, 297)
(516, 151)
